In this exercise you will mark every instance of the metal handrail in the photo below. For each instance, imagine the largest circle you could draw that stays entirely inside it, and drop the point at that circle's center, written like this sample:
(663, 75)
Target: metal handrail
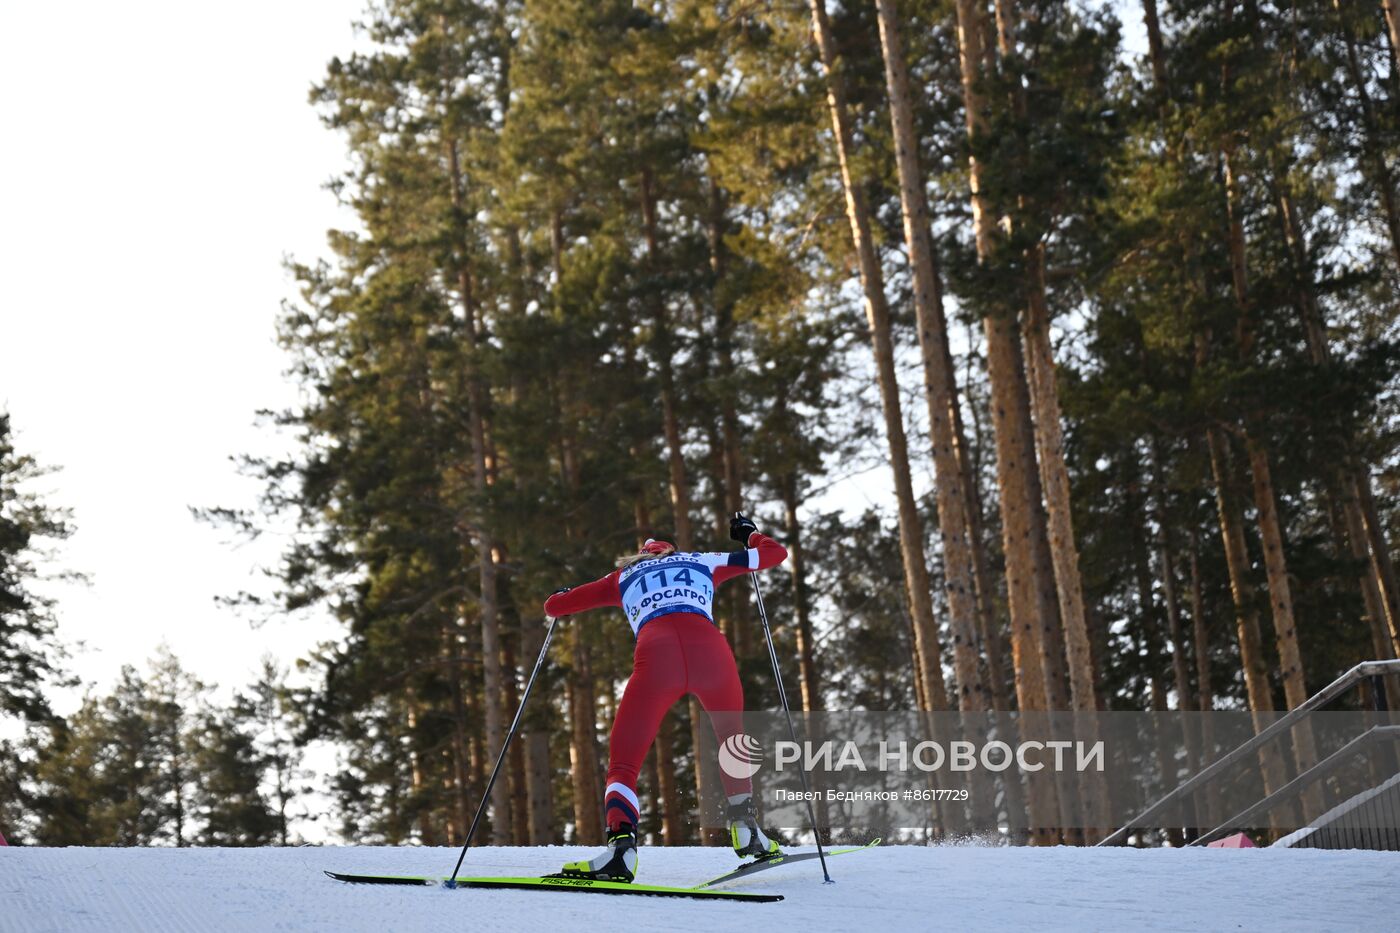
(1293, 788)
(1324, 696)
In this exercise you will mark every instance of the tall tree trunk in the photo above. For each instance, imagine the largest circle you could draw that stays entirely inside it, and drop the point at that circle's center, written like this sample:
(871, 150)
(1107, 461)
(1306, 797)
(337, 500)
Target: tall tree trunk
(988, 621)
(1185, 701)
(584, 770)
(1156, 54)
(452, 649)
(1013, 448)
(958, 499)
(1071, 641)
(1265, 500)
(539, 791)
(583, 744)
(664, 349)
(1180, 665)
(717, 225)
(806, 643)
(649, 790)
(1052, 640)
(1256, 671)
(731, 465)
(1381, 178)
(515, 760)
(1392, 25)
(1021, 524)
(797, 568)
(1279, 594)
(536, 823)
(1149, 629)
(1181, 668)
(726, 608)
(926, 640)
(1205, 699)
(1057, 556)
(539, 772)
(1351, 528)
(952, 498)
(1380, 554)
(940, 392)
(1285, 628)
(486, 566)
(1010, 419)
(1057, 567)
(672, 826)
(1033, 372)
(1055, 479)
(476, 777)
(427, 826)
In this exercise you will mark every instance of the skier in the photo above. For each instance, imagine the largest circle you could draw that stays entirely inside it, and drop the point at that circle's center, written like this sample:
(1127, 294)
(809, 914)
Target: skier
(667, 597)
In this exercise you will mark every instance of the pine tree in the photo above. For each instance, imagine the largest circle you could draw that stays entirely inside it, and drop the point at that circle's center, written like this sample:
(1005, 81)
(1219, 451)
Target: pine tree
(269, 710)
(228, 799)
(31, 657)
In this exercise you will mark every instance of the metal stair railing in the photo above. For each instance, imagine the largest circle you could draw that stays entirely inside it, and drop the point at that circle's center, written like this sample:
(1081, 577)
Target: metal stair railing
(1295, 787)
(1324, 696)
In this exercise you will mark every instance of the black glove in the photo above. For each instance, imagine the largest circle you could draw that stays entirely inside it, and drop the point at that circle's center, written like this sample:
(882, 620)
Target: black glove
(740, 527)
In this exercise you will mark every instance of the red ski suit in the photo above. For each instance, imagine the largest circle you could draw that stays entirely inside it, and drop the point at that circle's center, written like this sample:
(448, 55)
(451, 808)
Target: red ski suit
(679, 650)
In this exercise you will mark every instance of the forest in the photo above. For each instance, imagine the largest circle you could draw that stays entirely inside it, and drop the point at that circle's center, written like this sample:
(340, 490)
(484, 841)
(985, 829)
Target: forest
(1055, 340)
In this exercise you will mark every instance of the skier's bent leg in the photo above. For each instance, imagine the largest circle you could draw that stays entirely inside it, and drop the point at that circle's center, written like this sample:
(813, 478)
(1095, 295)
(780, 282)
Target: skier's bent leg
(656, 683)
(714, 679)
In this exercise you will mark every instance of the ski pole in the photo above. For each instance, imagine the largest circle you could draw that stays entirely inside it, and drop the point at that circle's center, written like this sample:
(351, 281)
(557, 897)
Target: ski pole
(451, 881)
(787, 711)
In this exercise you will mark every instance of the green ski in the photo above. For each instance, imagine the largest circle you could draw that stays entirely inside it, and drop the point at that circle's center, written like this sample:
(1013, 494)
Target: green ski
(583, 885)
(384, 879)
(753, 868)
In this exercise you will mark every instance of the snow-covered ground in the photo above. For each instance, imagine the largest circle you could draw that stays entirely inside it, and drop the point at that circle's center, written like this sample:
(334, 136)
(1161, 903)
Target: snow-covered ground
(888, 889)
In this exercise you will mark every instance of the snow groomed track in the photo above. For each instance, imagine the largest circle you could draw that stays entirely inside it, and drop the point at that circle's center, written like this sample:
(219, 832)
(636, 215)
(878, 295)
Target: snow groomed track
(891, 888)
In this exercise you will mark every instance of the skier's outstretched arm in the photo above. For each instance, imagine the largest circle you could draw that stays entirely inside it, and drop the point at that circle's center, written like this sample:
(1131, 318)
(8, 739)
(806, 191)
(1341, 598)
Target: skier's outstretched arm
(596, 595)
(763, 552)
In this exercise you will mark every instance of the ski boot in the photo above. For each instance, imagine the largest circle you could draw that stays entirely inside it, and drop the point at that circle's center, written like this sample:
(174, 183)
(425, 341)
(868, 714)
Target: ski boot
(618, 862)
(744, 834)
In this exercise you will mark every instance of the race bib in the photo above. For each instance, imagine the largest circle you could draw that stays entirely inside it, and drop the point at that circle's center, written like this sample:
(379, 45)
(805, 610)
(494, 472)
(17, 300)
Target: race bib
(678, 583)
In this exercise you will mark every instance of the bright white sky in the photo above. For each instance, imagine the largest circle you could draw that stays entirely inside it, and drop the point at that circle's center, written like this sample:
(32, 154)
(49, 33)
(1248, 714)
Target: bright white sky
(159, 160)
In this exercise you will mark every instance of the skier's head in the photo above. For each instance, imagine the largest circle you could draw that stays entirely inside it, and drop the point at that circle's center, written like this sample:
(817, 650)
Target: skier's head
(651, 550)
